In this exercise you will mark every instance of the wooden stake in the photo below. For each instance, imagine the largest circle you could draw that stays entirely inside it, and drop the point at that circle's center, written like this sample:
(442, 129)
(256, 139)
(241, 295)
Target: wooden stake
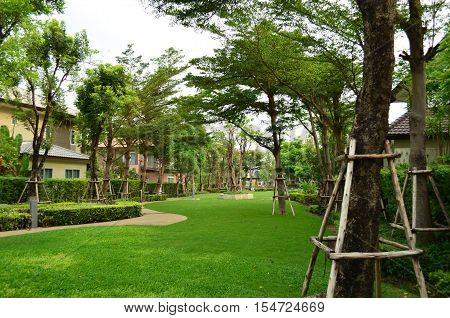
(378, 274)
(438, 197)
(343, 220)
(405, 183)
(408, 234)
(414, 204)
(315, 253)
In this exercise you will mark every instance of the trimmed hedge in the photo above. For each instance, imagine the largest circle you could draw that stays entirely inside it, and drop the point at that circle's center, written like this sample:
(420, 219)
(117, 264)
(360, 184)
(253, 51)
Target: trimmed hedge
(70, 190)
(13, 217)
(155, 197)
(441, 175)
(305, 198)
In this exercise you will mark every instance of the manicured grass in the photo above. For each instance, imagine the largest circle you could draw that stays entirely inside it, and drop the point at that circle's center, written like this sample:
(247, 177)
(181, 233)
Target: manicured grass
(226, 248)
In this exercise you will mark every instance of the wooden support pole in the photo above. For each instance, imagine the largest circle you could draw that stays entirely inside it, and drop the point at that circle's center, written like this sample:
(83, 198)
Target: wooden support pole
(408, 234)
(274, 194)
(392, 243)
(414, 204)
(368, 156)
(377, 266)
(405, 183)
(415, 171)
(438, 197)
(375, 255)
(343, 220)
(320, 245)
(323, 226)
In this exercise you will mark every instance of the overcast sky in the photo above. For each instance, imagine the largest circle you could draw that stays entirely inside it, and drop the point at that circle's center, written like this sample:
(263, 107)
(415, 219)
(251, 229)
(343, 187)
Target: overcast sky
(112, 24)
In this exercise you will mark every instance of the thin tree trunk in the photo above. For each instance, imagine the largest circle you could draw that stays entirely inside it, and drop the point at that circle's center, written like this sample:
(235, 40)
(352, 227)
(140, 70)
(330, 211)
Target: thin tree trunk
(277, 154)
(143, 176)
(417, 155)
(126, 172)
(108, 162)
(355, 277)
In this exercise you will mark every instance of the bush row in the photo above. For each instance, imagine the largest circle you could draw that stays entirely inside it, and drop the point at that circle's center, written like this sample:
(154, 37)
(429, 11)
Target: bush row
(305, 198)
(14, 217)
(70, 190)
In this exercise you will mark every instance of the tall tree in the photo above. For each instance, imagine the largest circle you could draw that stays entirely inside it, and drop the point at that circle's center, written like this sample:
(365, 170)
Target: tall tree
(98, 100)
(355, 277)
(51, 58)
(413, 25)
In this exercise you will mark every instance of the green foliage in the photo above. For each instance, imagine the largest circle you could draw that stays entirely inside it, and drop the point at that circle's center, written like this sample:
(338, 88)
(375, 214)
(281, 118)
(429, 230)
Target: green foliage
(11, 162)
(65, 190)
(155, 197)
(435, 258)
(13, 220)
(10, 189)
(441, 174)
(18, 216)
(300, 161)
(441, 282)
(71, 190)
(305, 198)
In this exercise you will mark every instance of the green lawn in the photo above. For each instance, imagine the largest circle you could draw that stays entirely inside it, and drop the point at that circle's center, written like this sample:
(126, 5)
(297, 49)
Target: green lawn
(226, 248)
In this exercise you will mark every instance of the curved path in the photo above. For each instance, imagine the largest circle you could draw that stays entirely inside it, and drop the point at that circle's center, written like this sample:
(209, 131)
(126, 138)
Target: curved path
(149, 217)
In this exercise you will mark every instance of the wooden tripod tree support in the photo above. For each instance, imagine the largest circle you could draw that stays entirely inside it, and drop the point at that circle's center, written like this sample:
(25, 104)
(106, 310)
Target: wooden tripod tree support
(438, 227)
(336, 254)
(109, 191)
(94, 192)
(35, 183)
(276, 194)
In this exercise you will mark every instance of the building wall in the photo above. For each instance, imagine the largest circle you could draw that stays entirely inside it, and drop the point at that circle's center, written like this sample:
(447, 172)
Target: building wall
(402, 146)
(61, 134)
(59, 167)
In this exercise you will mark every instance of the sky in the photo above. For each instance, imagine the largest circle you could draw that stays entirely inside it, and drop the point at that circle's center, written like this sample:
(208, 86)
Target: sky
(112, 24)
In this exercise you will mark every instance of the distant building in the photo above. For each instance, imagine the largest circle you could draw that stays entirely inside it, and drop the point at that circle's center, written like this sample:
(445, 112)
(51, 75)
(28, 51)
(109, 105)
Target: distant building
(399, 137)
(64, 159)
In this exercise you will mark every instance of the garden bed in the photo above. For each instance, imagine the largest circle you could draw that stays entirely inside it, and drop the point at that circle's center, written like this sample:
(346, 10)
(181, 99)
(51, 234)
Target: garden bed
(17, 216)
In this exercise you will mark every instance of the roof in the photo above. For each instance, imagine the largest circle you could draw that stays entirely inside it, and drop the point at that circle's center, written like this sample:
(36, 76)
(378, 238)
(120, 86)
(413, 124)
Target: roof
(400, 127)
(55, 151)
(22, 98)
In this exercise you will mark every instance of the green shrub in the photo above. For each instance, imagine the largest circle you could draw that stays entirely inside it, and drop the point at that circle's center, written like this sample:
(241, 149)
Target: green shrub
(436, 257)
(71, 190)
(18, 217)
(155, 197)
(309, 187)
(69, 213)
(441, 174)
(305, 198)
(11, 188)
(440, 281)
(65, 190)
(10, 221)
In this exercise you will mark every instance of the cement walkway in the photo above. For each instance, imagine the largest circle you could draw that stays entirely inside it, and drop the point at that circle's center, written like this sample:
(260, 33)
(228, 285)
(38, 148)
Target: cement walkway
(149, 217)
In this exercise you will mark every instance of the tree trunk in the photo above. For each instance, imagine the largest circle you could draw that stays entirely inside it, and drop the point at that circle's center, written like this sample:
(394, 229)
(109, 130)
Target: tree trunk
(143, 176)
(108, 163)
(355, 277)
(159, 184)
(276, 135)
(417, 115)
(126, 172)
(316, 145)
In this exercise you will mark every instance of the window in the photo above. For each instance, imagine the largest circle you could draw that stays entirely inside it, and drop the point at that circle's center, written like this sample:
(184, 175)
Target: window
(72, 174)
(133, 158)
(72, 137)
(170, 180)
(46, 173)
